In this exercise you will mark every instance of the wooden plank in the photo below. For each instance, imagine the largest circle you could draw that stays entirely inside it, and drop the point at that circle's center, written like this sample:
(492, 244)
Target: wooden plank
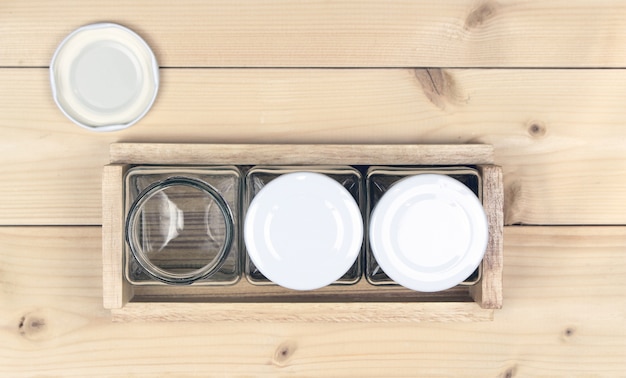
(558, 134)
(488, 292)
(370, 312)
(283, 33)
(116, 290)
(299, 154)
(563, 316)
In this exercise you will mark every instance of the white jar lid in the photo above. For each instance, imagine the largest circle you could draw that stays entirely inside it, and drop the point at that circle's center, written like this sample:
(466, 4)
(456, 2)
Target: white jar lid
(303, 230)
(104, 77)
(428, 232)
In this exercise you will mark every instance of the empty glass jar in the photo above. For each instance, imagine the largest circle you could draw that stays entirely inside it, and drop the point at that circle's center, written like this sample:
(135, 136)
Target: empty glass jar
(182, 225)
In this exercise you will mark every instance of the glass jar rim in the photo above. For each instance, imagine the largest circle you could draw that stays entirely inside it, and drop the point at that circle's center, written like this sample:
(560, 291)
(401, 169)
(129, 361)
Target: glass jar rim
(162, 274)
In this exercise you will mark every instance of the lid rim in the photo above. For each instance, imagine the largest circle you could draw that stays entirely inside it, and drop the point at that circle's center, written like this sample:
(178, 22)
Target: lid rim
(152, 64)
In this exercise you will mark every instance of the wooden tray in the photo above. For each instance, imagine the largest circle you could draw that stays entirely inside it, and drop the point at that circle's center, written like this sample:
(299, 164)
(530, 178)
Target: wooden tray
(336, 303)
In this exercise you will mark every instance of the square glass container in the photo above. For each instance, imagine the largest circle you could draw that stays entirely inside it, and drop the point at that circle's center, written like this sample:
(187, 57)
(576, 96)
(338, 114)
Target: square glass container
(183, 228)
(259, 176)
(380, 178)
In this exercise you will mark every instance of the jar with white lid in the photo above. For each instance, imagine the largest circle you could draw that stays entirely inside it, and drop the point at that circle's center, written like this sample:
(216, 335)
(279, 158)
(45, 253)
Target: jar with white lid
(303, 225)
(426, 225)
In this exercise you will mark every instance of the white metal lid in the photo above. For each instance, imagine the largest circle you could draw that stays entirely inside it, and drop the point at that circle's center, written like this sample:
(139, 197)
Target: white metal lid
(104, 77)
(428, 232)
(303, 230)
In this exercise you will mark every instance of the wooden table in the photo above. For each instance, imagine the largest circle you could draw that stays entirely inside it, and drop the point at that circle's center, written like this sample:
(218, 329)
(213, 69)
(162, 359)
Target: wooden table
(528, 77)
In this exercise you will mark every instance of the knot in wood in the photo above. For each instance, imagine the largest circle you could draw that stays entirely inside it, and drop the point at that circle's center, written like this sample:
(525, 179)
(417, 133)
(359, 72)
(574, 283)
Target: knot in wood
(30, 325)
(536, 129)
(481, 14)
(284, 352)
(440, 87)
(568, 334)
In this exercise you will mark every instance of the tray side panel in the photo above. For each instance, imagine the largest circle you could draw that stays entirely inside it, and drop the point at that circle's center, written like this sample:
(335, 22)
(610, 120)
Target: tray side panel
(488, 292)
(116, 290)
(298, 154)
(304, 312)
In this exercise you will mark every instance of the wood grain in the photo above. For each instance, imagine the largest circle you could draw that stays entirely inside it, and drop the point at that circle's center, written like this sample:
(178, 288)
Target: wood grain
(558, 134)
(116, 290)
(341, 312)
(300, 154)
(283, 33)
(563, 315)
(488, 291)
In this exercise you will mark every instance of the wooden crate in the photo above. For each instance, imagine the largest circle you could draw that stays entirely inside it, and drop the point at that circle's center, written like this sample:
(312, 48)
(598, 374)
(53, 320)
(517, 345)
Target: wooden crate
(361, 302)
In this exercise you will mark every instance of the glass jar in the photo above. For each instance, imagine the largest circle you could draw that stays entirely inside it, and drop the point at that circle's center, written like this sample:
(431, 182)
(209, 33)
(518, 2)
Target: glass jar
(380, 179)
(182, 225)
(350, 178)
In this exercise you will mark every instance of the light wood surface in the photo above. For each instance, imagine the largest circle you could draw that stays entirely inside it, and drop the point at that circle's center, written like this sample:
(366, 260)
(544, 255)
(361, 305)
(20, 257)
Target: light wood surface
(450, 72)
(563, 315)
(558, 134)
(283, 33)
